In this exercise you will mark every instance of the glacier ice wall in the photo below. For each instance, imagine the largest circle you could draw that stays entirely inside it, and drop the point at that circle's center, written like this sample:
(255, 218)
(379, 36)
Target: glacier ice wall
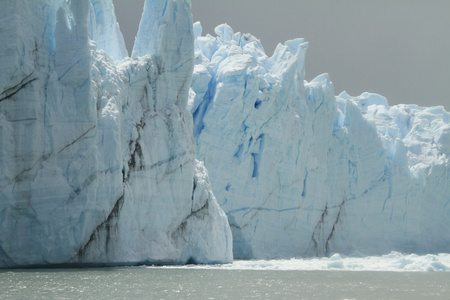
(97, 154)
(300, 172)
(104, 29)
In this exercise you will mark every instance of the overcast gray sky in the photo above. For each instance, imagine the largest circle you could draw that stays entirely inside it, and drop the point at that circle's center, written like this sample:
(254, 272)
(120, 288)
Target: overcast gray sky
(397, 48)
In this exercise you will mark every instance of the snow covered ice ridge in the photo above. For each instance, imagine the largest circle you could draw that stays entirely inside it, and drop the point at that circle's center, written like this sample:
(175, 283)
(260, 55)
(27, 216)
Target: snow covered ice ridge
(301, 172)
(97, 154)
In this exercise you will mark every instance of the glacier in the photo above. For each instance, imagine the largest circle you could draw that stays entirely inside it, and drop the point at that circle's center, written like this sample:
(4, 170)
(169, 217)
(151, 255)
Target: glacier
(199, 149)
(301, 172)
(97, 153)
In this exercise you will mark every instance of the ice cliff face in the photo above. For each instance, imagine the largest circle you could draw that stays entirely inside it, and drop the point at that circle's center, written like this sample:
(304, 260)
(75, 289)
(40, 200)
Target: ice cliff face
(97, 155)
(300, 172)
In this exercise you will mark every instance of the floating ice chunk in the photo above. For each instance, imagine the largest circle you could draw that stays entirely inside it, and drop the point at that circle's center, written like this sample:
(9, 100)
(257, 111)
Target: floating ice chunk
(335, 262)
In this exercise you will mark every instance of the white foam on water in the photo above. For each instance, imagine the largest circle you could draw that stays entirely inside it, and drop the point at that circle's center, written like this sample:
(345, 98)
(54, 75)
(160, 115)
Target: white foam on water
(394, 261)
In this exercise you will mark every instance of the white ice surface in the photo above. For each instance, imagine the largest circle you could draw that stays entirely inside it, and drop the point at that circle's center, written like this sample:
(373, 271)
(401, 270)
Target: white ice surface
(301, 172)
(97, 154)
(99, 163)
(104, 29)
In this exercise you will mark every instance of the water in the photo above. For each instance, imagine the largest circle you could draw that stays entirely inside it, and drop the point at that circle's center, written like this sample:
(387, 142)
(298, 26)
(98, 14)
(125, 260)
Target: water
(325, 278)
(164, 283)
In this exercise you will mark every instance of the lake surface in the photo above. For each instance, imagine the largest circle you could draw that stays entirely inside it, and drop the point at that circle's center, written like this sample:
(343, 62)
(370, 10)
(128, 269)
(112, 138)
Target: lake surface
(276, 279)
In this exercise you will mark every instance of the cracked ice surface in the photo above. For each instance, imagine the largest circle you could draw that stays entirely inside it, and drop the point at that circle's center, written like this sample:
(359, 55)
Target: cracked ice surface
(301, 172)
(97, 155)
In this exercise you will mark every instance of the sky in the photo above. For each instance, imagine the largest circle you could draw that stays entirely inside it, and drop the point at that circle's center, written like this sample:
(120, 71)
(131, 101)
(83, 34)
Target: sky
(397, 48)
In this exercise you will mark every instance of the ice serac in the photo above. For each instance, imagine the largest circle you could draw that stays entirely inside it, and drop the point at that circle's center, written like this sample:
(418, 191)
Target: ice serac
(104, 29)
(301, 172)
(97, 158)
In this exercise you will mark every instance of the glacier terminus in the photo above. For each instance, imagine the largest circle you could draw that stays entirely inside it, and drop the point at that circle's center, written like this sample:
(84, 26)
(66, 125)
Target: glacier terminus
(199, 149)
(97, 153)
(301, 172)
